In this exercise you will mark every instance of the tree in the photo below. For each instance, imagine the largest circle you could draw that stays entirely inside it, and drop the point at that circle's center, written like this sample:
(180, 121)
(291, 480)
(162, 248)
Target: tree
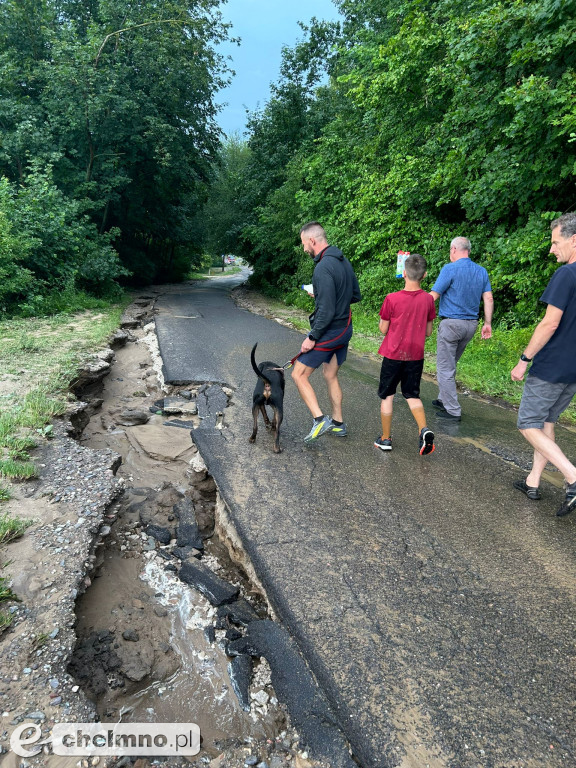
(114, 101)
(439, 119)
(225, 213)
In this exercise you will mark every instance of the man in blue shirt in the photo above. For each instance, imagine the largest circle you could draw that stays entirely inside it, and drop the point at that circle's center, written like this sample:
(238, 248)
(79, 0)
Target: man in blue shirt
(460, 286)
(551, 382)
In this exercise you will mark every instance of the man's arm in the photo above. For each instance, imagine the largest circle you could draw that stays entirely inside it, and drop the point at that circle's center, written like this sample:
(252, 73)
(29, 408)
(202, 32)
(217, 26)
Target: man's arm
(541, 336)
(429, 328)
(435, 295)
(383, 326)
(488, 300)
(324, 301)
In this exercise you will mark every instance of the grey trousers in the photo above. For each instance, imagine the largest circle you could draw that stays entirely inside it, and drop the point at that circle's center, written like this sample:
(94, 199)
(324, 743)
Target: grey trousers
(453, 336)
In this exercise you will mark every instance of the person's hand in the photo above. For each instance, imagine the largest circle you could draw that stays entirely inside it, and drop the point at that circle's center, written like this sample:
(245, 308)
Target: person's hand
(307, 345)
(517, 373)
(486, 331)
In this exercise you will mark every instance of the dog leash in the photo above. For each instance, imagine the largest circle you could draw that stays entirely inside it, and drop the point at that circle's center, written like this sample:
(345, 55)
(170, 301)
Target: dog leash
(323, 346)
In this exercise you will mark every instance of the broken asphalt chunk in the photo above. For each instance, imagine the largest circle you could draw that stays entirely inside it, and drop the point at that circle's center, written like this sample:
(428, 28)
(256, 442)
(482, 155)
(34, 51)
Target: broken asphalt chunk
(239, 612)
(215, 590)
(176, 422)
(189, 536)
(242, 646)
(160, 534)
(175, 405)
(240, 671)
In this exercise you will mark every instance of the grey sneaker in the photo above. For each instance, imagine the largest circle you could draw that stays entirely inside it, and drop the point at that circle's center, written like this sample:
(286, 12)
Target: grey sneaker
(319, 428)
(384, 444)
(569, 502)
(339, 430)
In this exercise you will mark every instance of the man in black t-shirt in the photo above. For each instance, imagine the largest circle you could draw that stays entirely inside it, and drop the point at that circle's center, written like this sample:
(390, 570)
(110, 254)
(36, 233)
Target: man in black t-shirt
(551, 382)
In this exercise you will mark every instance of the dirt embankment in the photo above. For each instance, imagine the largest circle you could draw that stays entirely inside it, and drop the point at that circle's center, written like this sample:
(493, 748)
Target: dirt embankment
(107, 628)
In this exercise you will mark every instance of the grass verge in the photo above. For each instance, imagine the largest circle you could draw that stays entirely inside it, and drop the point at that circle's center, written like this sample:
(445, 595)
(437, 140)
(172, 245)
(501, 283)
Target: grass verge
(11, 528)
(38, 359)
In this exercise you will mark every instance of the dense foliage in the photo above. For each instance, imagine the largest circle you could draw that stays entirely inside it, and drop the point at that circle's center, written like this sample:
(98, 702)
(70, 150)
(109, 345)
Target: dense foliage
(411, 122)
(107, 136)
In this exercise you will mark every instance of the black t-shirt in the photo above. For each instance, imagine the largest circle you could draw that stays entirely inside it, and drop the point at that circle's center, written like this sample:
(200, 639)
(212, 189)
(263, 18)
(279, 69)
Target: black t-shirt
(556, 361)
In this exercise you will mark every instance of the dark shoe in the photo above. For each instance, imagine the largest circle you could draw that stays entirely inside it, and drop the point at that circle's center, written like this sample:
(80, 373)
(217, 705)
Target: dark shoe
(384, 444)
(338, 430)
(448, 416)
(438, 404)
(529, 490)
(569, 502)
(426, 442)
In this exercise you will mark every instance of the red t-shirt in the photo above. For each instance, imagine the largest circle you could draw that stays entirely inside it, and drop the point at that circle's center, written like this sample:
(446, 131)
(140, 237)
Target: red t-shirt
(409, 313)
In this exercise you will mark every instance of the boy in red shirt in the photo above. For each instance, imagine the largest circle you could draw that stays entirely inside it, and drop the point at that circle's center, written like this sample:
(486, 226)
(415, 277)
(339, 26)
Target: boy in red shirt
(405, 320)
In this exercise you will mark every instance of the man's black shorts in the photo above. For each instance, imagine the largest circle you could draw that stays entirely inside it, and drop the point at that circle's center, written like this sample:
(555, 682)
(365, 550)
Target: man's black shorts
(406, 372)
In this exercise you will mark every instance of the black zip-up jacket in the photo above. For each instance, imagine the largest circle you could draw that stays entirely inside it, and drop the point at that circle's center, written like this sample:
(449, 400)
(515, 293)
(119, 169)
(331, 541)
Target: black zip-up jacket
(335, 288)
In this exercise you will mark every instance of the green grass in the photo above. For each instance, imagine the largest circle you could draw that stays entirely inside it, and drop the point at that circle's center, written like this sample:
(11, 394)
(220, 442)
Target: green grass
(11, 528)
(41, 640)
(39, 358)
(228, 270)
(17, 470)
(5, 621)
(5, 494)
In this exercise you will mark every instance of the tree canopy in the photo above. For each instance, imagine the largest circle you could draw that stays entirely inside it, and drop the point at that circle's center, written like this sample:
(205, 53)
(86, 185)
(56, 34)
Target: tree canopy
(412, 122)
(403, 125)
(107, 137)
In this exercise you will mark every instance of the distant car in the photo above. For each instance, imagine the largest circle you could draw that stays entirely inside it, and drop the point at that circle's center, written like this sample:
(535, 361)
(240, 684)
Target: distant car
(230, 260)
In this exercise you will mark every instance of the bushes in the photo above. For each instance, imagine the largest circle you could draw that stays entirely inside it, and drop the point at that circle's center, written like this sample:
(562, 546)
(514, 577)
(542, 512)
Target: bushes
(48, 250)
(439, 119)
(15, 280)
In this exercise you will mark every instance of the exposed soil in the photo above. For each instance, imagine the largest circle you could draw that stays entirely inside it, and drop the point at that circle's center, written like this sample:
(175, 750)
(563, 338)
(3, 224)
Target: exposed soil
(106, 629)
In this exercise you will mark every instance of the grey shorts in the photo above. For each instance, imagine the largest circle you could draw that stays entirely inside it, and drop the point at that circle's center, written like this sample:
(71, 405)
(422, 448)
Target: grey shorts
(543, 401)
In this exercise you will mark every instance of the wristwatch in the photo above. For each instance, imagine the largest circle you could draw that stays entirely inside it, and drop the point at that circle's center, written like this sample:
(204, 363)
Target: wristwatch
(525, 359)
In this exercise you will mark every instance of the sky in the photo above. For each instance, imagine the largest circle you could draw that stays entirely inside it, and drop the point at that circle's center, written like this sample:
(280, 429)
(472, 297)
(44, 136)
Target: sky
(264, 26)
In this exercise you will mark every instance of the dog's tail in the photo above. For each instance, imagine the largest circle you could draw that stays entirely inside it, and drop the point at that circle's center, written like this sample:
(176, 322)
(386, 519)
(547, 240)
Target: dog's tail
(257, 370)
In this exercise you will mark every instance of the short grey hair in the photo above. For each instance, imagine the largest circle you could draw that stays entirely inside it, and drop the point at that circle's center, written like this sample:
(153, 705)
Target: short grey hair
(567, 224)
(461, 244)
(314, 229)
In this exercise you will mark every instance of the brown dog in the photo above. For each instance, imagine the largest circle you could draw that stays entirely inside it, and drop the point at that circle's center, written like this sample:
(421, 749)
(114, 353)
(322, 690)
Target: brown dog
(269, 390)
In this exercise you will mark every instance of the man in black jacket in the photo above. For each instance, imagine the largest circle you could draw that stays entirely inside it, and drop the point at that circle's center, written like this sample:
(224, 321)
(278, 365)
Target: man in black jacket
(335, 288)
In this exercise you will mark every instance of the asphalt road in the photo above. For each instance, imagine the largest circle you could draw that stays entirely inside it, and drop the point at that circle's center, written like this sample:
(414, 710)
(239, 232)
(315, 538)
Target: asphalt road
(433, 602)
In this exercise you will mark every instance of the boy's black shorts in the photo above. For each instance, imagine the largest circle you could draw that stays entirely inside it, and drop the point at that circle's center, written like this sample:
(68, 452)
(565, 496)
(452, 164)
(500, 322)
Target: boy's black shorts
(406, 372)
